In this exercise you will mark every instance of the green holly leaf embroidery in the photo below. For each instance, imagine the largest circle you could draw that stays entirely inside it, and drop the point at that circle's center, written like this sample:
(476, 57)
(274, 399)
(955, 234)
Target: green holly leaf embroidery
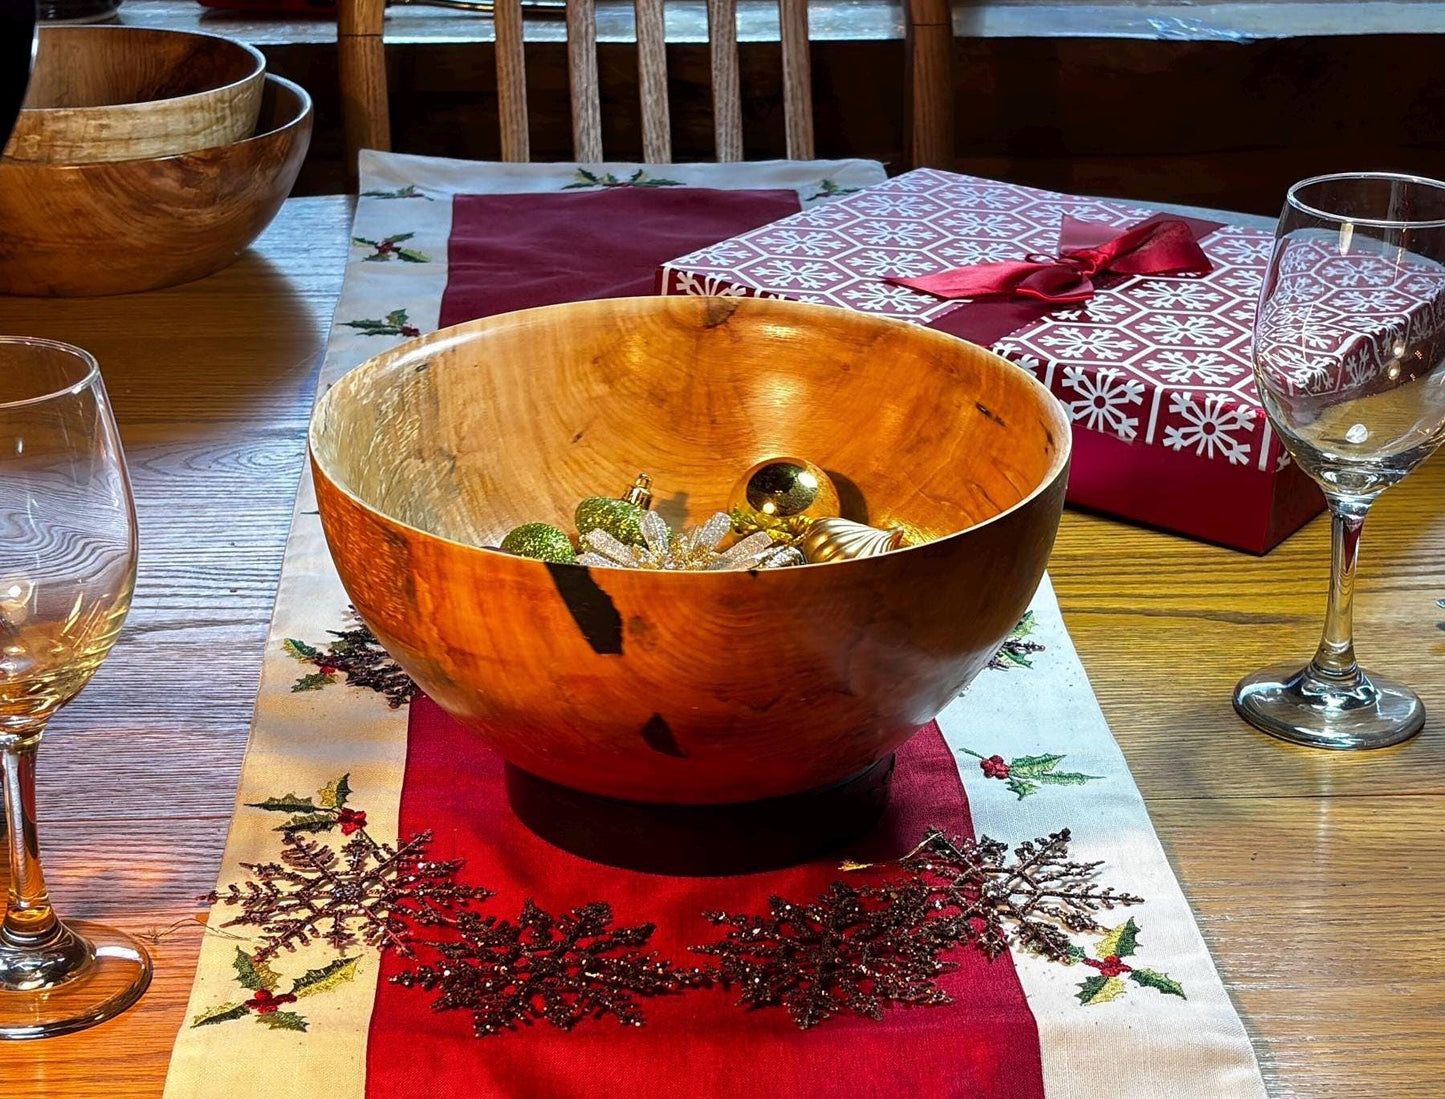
(311, 822)
(1016, 658)
(1075, 955)
(828, 189)
(1121, 941)
(253, 974)
(312, 681)
(220, 1014)
(411, 255)
(288, 803)
(1152, 978)
(1024, 627)
(1066, 778)
(409, 191)
(396, 318)
(326, 978)
(283, 1020)
(1099, 989)
(334, 794)
(1022, 787)
(299, 650)
(1033, 765)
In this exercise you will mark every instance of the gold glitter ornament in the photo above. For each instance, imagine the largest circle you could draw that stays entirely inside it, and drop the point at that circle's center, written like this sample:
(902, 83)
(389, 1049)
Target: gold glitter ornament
(619, 518)
(843, 540)
(540, 541)
(783, 488)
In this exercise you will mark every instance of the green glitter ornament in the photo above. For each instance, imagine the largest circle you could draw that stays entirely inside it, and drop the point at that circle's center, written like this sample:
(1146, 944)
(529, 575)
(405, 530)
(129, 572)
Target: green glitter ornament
(620, 518)
(541, 541)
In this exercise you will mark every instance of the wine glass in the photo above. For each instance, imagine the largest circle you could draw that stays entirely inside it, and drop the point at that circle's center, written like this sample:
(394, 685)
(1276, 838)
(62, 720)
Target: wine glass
(67, 569)
(1349, 354)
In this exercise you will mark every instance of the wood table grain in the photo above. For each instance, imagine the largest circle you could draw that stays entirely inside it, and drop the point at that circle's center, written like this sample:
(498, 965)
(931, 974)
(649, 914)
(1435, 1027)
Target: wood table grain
(1318, 878)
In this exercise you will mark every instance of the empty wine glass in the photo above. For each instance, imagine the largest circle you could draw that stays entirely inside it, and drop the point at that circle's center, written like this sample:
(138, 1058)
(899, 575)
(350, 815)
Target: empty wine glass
(67, 568)
(1349, 354)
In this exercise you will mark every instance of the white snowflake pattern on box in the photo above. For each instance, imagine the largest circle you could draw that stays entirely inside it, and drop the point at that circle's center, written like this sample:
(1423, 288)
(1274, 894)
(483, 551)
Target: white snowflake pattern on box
(1163, 361)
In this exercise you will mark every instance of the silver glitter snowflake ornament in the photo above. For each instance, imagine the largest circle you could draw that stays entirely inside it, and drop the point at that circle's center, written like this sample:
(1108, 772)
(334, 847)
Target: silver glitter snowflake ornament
(693, 550)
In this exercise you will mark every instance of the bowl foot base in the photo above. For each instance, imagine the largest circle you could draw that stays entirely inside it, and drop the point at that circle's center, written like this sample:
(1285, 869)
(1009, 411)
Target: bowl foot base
(701, 840)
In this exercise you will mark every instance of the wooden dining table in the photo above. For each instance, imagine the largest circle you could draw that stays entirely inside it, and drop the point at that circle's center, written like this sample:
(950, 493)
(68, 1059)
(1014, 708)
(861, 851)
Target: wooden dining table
(1318, 878)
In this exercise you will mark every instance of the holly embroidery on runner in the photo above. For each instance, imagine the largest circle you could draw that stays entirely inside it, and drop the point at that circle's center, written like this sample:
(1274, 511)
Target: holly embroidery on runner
(389, 248)
(1025, 774)
(395, 323)
(1109, 983)
(357, 655)
(639, 178)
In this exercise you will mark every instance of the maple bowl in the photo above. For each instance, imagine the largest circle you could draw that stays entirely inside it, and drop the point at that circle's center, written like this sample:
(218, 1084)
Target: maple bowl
(122, 93)
(697, 688)
(126, 225)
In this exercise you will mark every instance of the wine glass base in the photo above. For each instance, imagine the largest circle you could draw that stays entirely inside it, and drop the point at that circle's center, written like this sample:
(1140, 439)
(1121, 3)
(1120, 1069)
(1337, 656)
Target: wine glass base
(1302, 707)
(92, 975)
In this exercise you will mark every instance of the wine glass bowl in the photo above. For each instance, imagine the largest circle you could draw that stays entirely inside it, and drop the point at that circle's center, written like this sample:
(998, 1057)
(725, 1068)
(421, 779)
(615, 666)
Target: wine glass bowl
(1349, 359)
(67, 571)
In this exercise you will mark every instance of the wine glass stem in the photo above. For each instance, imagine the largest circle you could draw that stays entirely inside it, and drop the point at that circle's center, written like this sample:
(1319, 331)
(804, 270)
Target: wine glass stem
(29, 920)
(1335, 658)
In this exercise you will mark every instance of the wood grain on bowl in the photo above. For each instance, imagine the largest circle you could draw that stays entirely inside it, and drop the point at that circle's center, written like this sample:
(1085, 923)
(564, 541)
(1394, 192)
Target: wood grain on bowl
(687, 687)
(121, 93)
(129, 225)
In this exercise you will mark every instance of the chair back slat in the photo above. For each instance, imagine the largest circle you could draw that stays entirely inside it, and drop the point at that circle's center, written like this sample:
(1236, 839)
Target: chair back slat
(511, 81)
(797, 78)
(582, 74)
(361, 59)
(727, 105)
(652, 82)
(365, 123)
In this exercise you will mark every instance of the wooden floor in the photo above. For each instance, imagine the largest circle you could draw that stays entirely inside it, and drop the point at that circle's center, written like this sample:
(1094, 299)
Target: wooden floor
(1317, 878)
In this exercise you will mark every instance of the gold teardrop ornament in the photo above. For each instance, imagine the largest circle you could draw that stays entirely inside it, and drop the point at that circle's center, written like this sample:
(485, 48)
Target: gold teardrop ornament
(843, 540)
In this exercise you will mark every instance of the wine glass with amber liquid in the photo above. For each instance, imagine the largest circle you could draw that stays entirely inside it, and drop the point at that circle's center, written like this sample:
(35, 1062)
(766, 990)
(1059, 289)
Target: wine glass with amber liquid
(67, 569)
(1349, 355)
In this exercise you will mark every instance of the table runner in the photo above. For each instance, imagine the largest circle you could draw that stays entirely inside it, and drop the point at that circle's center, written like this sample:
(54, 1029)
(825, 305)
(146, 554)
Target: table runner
(344, 756)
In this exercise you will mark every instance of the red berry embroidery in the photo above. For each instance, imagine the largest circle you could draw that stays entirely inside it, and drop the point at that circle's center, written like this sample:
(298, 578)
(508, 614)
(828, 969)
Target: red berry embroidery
(994, 767)
(265, 1002)
(410, 330)
(1110, 966)
(350, 820)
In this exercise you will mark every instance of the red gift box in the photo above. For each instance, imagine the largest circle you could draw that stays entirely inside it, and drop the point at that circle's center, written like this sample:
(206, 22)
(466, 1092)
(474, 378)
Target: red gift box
(1154, 370)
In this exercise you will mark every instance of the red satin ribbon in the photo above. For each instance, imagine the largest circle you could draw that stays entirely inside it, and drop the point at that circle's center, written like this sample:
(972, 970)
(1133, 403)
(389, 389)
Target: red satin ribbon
(1160, 246)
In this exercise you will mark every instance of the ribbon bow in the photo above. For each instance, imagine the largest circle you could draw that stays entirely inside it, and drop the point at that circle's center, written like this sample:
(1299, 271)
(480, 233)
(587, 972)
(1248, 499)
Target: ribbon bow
(1162, 245)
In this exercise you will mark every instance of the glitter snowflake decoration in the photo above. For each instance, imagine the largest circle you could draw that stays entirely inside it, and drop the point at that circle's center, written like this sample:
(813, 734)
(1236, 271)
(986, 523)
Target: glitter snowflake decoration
(852, 950)
(368, 892)
(694, 550)
(1036, 901)
(561, 969)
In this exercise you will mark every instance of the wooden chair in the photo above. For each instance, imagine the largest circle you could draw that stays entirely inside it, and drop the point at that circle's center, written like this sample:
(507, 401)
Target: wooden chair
(366, 124)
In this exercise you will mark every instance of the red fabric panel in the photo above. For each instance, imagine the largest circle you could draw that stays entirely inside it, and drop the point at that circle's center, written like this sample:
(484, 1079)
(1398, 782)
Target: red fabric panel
(518, 251)
(698, 1044)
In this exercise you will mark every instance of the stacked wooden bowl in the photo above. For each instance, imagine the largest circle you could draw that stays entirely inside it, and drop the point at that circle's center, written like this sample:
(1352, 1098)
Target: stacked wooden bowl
(143, 158)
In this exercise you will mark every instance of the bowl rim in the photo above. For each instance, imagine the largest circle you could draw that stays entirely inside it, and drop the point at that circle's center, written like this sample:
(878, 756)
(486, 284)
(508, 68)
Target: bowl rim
(1063, 451)
(106, 110)
(302, 116)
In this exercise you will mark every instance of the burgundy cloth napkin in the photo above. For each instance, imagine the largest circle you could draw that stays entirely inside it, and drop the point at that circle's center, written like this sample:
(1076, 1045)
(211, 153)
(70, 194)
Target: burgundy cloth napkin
(518, 251)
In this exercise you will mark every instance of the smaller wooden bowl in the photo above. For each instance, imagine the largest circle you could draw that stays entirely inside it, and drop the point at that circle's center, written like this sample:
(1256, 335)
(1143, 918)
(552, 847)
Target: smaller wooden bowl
(122, 93)
(75, 230)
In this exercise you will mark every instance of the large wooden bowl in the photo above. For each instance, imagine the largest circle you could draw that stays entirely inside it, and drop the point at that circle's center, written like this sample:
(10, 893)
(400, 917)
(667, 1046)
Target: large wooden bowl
(690, 688)
(126, 225)
(122, 93)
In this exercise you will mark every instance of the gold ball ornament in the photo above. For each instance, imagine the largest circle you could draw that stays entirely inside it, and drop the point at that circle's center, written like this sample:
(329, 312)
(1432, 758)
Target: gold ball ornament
(783, 488)
(620, 518)
(540, 541)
